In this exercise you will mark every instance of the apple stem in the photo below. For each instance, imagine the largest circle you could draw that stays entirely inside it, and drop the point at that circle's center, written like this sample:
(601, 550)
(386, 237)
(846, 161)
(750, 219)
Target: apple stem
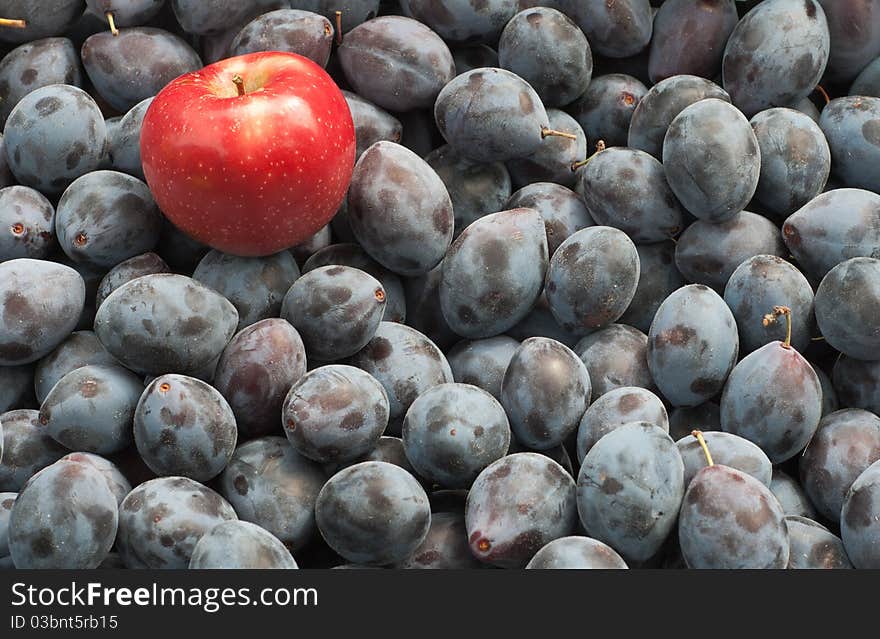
(338, 28)
(823, 93)
(699, 435)
(238, 81)
(770, 318)
(13, 24)
(112, 21)
(600, 146)
(548, 132)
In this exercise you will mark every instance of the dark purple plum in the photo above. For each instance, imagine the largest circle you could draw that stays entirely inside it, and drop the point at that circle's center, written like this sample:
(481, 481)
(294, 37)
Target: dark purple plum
(830, 402)
(399, 209)
(692, 345)
(683, 420)
(615, 357)
(758, 284)
(8, 499)
(469, 57)
(81, 348)
(562, 210)
(868, 81)
(592, 278)
(482, 362)
(493, 272)
(852, 127)
(17, 390)
(354, 12)
(388, 449)
(541, 323)
(6, 177)
(371, 123)
(630, 487)
(627, 189)
(91, 409)
(162, 520)
(463, 21)
(420, 132)
(27, 448)
(860, 519)
(689, 37)
(116, 481)
(240, 545)
(373, 513)
(44, 18)
(857, 383)
(320, 240)
(518, 505)
(27, 220)
(126, 13)
(606, 108)
(618, 29)
(712, 160)
(451, 432)
(812, 546)
(791, 495)
(444, 548)
(165, 323)
(271, 485)
(553, 160)
(65, 517)
(303, 32)
(728, 450)
(180, 251)
(125, 142)
(130, 269)
(847, 306)
(576, 553)
(658, 278)
(854, 26)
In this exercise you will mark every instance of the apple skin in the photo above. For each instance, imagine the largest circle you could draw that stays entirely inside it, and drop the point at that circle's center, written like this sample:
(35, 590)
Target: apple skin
(250, 174)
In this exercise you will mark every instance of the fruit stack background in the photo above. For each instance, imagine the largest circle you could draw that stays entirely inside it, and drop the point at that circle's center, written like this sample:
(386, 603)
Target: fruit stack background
(496, 353)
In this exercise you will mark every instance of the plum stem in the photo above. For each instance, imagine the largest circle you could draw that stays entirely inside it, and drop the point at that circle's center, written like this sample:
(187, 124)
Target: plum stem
(112, 20)
(699, 435)
(600, 146)
(770, 318)
(13, 24)
(823, 93)
(338, 28)
(238, 81)
(548, 132)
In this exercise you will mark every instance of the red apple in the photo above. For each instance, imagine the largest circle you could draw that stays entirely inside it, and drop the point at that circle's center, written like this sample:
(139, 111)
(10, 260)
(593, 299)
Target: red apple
(250, 155)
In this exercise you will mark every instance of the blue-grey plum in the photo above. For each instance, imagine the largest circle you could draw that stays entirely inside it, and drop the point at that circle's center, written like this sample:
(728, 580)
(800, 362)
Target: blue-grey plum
(373, 513)
(271, 485)
(868, 81)
(40, 305)
(451, 432)
(712, 160)
(44, 18)
(860, 519)
(34, 65)
(28, 222)
(165, 323)
(491, 115)
(240, 545)
(396, 62)
(558, 453)
(399, 209)
(562, 210)
(354, 256)
(830, 402)
(8, 499)
(545, 391)
(833, 227)
(854, 26)
(554, 159)
(405, 362)
(65, 517)
(6, 177)
(116, 481)
(731, 520)
(127, 270)
(661, 105)
(683, 420)
(463, 21)
(482, 362)
(16, 389)
(302, 32)
(576, 553)
(444, 548)
(256, 286)
(518, 505)
(335, 413)
(692, 345)
(709, 252)
(618, 29)
(592, 278)
(615, 357)
(335, 309)
(658, 277)
(106, 217)
(852, 127)
(627, 189)
(548, 50)
(606, 108)
(757, 285)
(541, 323)
(795, 160)
(615, 408)
(846, 443)
(371, 123)
(630, 487)
(81, 348)
(27, 448)
(162, 520)
(53, 136)
(255, 372)
(91, 409)
(728, 450)
(812, 546)
(493, 272)
(776, 54)
(126, 69)
(125, 142)
(791, 495)
(857, 383)
(689, 37)
(847, 305)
